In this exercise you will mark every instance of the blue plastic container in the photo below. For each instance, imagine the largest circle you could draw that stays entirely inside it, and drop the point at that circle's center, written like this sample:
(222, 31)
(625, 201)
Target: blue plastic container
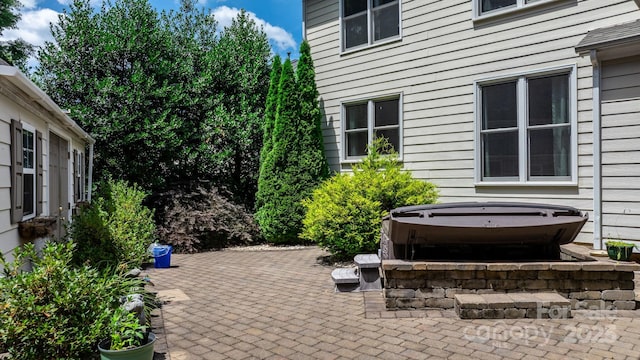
(162, 256)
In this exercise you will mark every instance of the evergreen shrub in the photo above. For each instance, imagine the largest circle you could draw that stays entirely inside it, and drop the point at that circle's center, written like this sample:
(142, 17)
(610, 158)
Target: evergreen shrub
(345, 213)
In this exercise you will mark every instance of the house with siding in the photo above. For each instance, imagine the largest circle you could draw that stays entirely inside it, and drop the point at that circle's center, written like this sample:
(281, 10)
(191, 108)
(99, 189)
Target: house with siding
(492, 100)
(45, 162)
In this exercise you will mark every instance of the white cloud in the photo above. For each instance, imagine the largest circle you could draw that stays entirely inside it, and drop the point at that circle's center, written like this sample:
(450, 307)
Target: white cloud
(33, 27)
(68, 2)
(28, 4)
(278, 36)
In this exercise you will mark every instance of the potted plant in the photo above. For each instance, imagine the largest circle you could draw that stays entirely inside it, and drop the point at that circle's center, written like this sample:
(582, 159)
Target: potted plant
(129, 340)
(619, 250)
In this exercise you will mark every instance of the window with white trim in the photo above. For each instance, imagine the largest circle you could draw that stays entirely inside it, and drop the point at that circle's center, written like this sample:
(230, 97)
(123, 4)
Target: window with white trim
(488, 7)
(527, 128)
(28, 171)
(366, 22)
(370, 119)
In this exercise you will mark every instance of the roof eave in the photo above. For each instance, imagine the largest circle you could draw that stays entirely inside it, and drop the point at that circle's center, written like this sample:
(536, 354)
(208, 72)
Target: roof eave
(14, 75)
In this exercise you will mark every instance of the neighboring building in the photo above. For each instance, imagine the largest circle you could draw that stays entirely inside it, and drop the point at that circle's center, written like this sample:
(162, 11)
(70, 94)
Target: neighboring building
(492, 100)
(42, 163)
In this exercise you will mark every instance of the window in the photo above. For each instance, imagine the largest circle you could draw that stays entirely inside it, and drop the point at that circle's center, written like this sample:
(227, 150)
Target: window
(488, 7)
(526, 128)
(28, 172)
(366, 22)
(367, 120)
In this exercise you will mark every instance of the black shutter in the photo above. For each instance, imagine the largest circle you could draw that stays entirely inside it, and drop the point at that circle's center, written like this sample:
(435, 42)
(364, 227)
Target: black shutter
(40, 173)
(83, 180)
(17, 184)
(76, 176)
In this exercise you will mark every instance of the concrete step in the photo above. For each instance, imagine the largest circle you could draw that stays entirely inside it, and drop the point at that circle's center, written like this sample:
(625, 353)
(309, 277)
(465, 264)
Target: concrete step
(543, 305)
(346, 279)
(369, 270)
(367, 261)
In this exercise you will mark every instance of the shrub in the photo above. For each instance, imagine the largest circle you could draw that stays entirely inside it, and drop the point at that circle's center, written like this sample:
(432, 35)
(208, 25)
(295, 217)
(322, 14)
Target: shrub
(198, 219)
(115, 228)
(345, 213)
(56, 311)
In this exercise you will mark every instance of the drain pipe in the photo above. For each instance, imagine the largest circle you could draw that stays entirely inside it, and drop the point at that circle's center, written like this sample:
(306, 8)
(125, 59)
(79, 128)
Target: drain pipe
(597, 153)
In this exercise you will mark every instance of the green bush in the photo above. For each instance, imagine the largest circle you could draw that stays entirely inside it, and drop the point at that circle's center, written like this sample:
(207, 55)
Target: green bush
(345, 213)
(115, 228)
(56, 311)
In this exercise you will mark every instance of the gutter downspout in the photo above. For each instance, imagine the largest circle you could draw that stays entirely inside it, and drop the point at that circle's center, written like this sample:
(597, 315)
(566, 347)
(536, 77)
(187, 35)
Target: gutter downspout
(90, 175)
(597, 153)
(304, 20)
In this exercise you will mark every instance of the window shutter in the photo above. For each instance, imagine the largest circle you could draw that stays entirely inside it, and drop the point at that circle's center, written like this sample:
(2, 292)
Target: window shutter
(83, 196)
(76, 176)
(17, 158)
(40, 173)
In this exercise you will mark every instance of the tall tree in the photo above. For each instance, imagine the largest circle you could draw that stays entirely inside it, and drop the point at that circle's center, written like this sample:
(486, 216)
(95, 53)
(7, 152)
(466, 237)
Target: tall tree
(102, 67)
(280, 216)
(167, 98)
(268, 125)
(15, 52)
(242, 60)
(312, 156)
(294, 162)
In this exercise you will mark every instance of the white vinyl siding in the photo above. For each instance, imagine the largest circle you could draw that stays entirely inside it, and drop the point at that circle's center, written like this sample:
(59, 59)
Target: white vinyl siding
(621, 149)
(443, 53)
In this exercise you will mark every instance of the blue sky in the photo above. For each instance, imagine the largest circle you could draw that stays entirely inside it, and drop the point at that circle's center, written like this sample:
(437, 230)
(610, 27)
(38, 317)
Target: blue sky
(281, 19)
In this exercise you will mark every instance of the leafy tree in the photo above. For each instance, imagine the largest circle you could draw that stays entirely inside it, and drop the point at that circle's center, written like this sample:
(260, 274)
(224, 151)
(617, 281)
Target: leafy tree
(102, 67)
(242, 70)
(167, 98)
(15, 52)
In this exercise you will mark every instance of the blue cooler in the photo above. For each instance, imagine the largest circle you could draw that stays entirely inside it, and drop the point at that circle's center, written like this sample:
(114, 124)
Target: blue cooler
(162, 256)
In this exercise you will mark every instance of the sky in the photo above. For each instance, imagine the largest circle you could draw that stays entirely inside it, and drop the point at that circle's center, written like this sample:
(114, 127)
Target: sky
(280, 19)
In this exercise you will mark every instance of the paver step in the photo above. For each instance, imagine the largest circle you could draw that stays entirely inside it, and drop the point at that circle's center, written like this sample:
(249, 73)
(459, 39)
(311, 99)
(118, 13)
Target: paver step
(345, 276)
(512, 306)
(367, 261)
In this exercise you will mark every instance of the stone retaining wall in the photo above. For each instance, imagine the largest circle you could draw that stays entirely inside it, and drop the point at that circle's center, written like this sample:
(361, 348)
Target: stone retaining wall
(587, 284)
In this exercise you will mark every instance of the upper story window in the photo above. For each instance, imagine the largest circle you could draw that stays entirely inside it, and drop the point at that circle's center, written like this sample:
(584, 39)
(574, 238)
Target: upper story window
(527, 129)
(370, 119)
(366, 22)
(490, 7)
(29, 171)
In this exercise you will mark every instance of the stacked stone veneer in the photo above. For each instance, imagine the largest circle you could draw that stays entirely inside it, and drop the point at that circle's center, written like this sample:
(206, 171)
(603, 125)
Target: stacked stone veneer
(587, 284)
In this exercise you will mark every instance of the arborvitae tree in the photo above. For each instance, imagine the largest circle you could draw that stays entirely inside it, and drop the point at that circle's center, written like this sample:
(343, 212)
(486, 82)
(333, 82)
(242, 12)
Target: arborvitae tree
(280, 216)
(312, 159)
(268, 124)
(296, 163)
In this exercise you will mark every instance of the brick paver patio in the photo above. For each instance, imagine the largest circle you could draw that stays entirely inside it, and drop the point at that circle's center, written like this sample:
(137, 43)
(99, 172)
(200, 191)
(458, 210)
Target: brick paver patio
(281, 305)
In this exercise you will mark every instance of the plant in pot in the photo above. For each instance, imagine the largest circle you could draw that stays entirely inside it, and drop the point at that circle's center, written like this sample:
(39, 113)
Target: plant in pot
(129, 340)
(619, 250)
